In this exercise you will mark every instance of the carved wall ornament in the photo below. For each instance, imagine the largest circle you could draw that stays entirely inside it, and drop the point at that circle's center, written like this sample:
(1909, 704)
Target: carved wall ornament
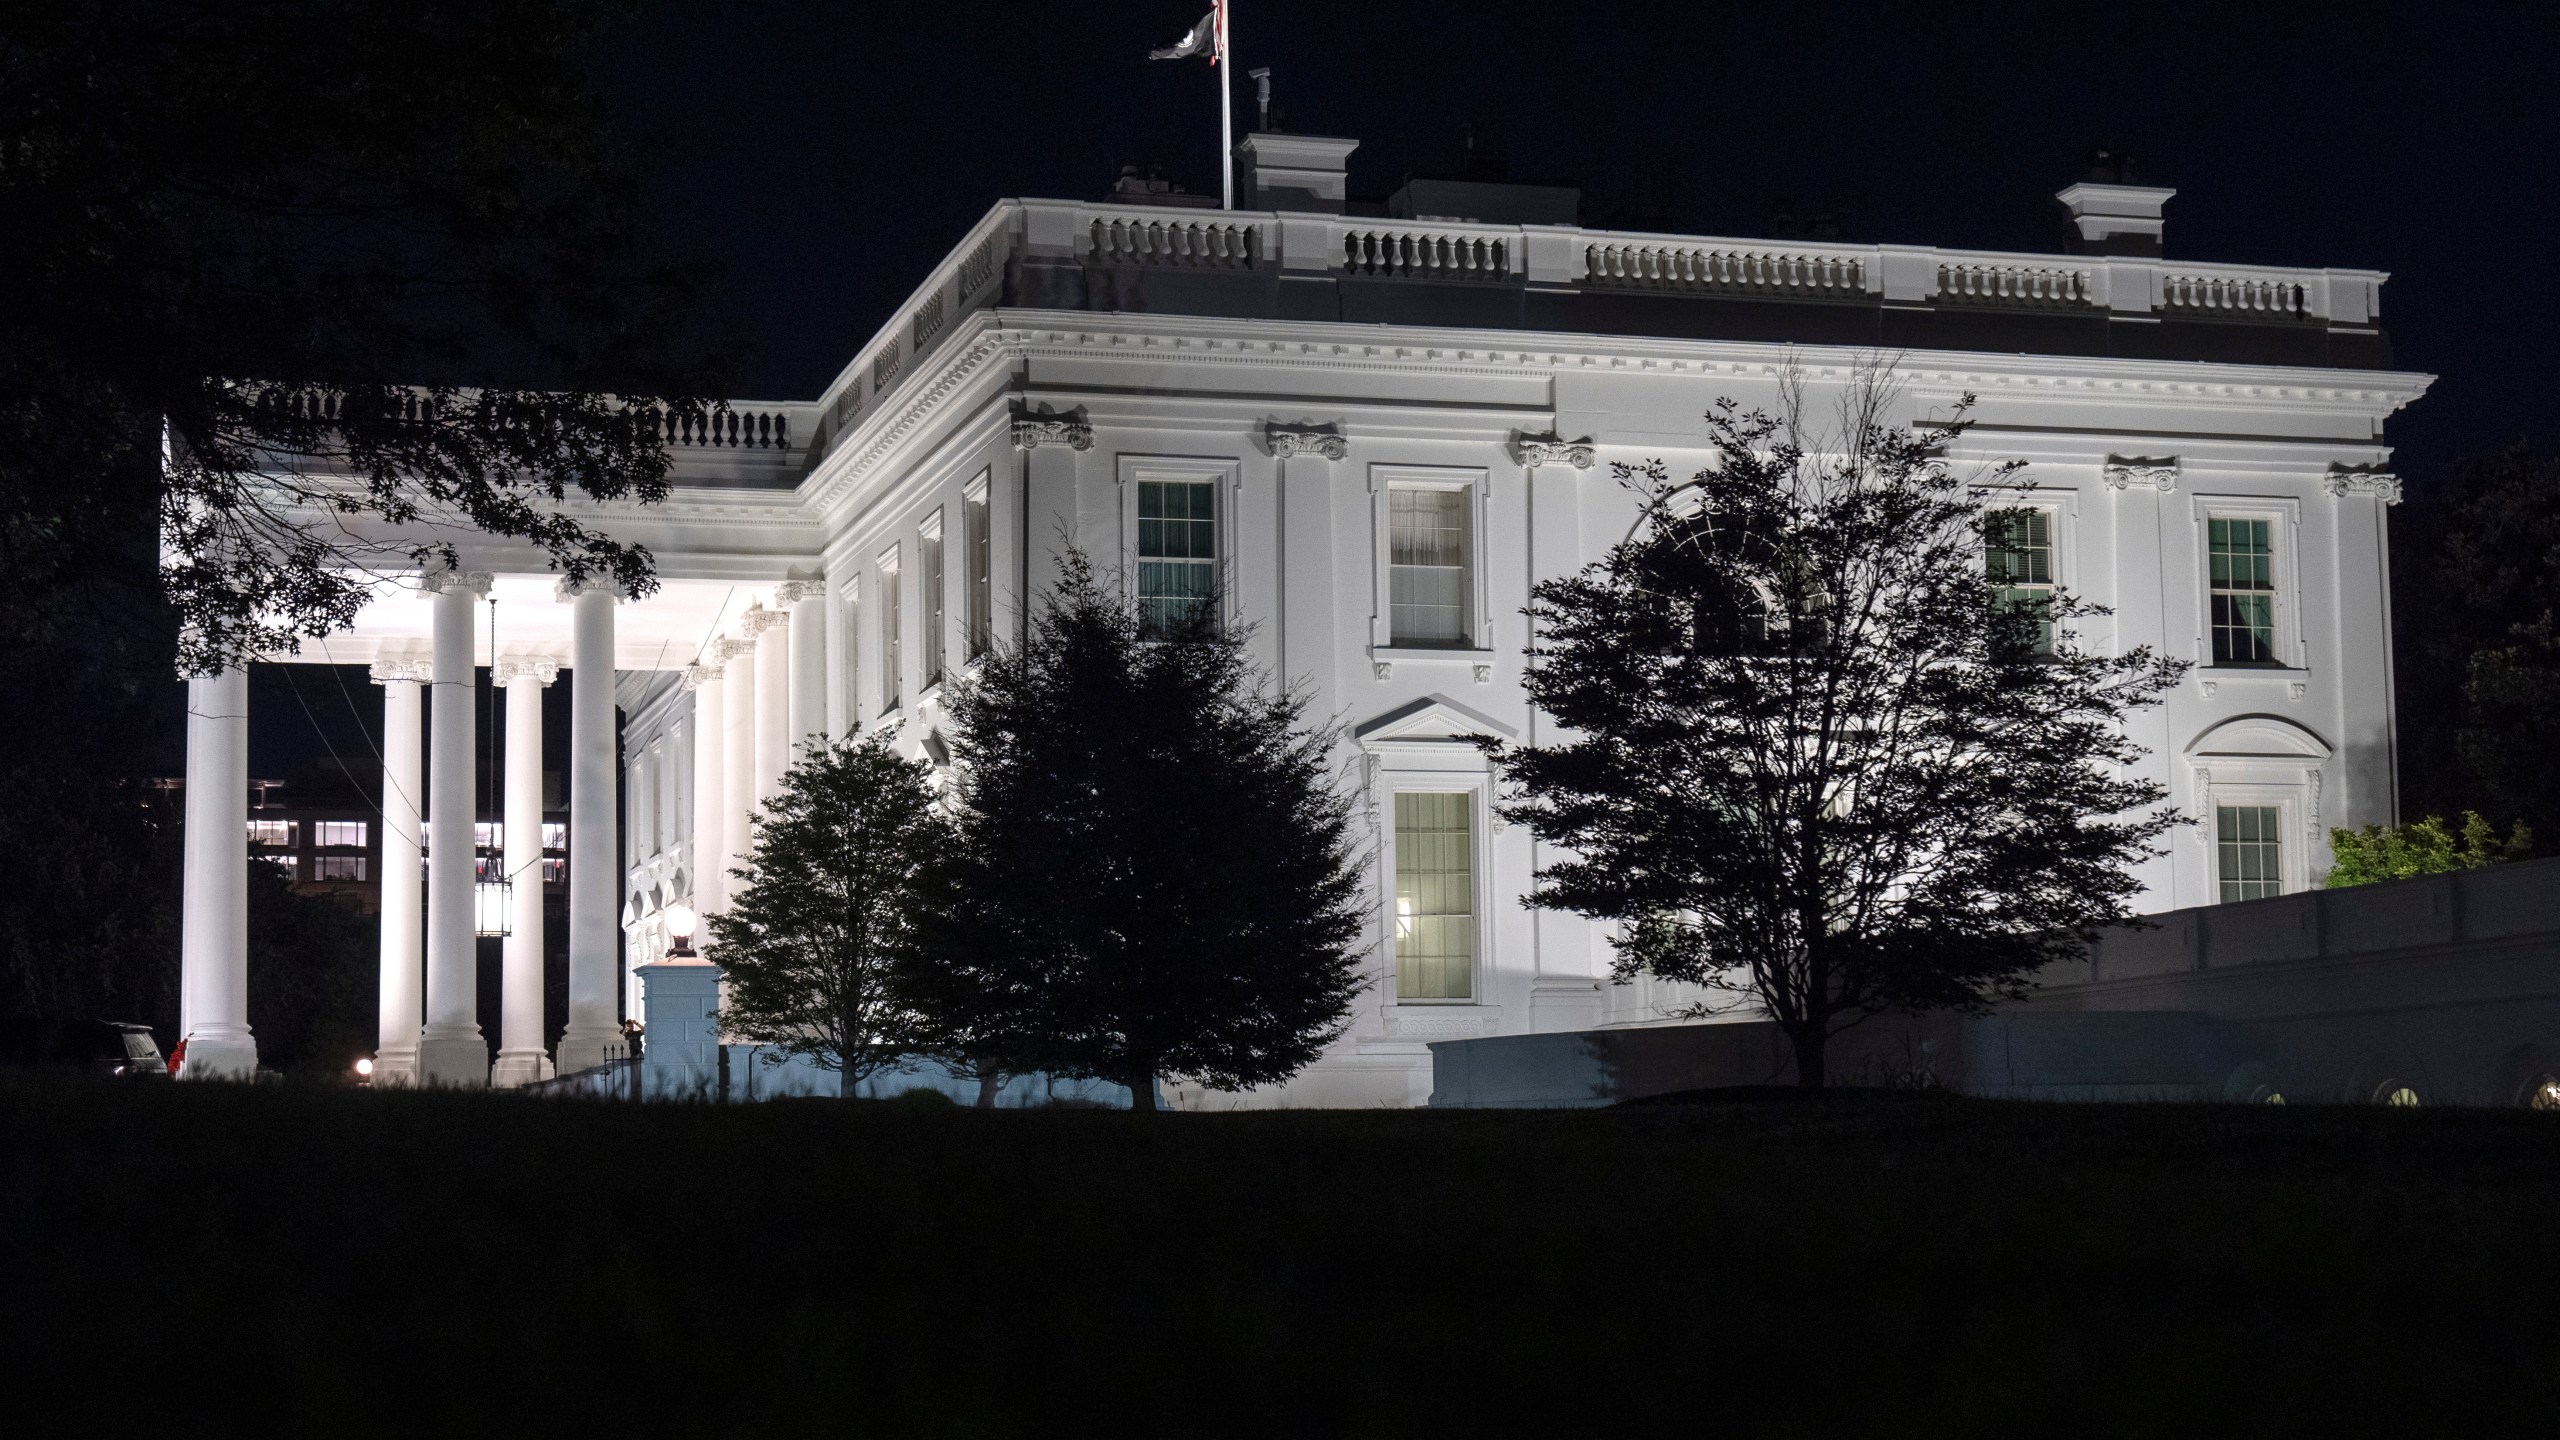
(2373, 480)
(1035, 428)
(792, 592)
(2153, 472)
(1383, 669)
(1484, 674)
(1289, 441)
(438, 578)
(540, 669)
(568, 589)
(698, 674)
(1550, 448)
(419, 669)
(758, 619)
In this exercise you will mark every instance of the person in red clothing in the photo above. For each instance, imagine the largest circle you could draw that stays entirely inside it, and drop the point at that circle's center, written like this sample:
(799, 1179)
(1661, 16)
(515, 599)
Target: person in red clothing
(177, 1055)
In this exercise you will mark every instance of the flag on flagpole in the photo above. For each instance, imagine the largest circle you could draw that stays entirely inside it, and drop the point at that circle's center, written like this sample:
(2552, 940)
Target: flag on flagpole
(1202, 40)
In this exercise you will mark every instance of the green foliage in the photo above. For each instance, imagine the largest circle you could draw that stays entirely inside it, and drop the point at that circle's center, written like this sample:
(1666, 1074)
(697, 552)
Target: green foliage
(831, 912)
(2426, 847)
(1818, 766)
(2475, 587)
(1156, 872)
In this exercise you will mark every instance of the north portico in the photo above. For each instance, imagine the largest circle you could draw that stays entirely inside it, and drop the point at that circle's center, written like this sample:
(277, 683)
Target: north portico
(1371, 435)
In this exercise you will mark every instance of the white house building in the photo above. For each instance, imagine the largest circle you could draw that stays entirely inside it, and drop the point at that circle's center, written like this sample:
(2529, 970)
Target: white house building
(1378, 432)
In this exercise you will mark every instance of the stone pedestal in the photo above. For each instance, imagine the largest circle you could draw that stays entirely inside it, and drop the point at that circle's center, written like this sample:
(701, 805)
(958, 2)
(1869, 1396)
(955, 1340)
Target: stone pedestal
(680, 1005)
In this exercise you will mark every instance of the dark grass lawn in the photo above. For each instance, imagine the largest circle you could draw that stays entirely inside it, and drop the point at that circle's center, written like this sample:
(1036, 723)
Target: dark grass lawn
(207, 1260)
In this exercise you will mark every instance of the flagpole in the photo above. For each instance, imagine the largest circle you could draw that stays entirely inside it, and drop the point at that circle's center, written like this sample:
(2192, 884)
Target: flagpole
(1226, 113)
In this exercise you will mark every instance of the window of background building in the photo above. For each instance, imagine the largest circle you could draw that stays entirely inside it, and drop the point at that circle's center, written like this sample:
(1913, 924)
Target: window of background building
(891, 696)
(489, 834)
(1427, 569)
(289, 864)
(2250, 841)
(2018, 551)
(271, 832)
(982, 607)
(1435, 896)
(338, 832)
(337, 867)
(1177, 551)
(929, 582)
(2242, 555)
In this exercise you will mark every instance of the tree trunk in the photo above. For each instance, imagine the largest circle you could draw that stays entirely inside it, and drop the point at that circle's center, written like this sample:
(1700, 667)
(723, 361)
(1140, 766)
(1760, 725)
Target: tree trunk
(845, 1081)
(989, 1082)
(1142, 1093)
(1809, 1041)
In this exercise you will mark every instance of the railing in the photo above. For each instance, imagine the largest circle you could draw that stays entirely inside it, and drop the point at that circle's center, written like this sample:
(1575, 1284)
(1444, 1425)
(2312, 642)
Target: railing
(2233, 293)
(1974, 283)
(730, 429)
(1425, 254)
(928, 322)
(1704, 267)
(1223, 244)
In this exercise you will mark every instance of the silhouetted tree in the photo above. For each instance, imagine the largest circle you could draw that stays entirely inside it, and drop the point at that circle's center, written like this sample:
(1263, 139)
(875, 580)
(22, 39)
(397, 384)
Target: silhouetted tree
(1156, 875)
(1818, 763)
(827, 923)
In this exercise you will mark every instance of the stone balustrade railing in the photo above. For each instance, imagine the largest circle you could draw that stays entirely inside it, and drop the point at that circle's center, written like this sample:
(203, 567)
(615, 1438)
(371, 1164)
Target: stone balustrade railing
(1139, 239)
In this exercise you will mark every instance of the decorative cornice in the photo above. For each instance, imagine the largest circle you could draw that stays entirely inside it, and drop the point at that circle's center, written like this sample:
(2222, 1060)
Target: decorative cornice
(1289, 441)
(2152, 472)
(2373, 480)
(1033, 429)
(417, 671)
(538, 668)
(438, 579)
(568, 590)
(1549, 448)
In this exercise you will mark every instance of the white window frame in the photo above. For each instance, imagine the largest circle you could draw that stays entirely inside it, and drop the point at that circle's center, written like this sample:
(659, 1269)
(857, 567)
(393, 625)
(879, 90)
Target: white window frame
(889, 576)
(2062, 522)
(1225, 473)
(1478, 791)
(933, 605)
(2288, 798)
(854, 613)
(1384, 480)
(978, 567)
(2284, 531)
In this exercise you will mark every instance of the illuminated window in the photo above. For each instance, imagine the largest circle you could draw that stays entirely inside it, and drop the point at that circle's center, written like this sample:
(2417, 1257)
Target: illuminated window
(1427, 570)
(489, 834)
(982, 598)
(929, 580)
(338, 832)
(286, 863)
(891, 695)
(1177, 551)
(2396, 1094)
(2018, 552)
(271, 832)
(1435, 897)
(337, 867)
(555, 835)
(2251, 849)
(2242, 554)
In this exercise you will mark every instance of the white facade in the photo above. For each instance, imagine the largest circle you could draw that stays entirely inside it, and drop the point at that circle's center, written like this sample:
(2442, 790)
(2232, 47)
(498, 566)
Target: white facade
(802, 547)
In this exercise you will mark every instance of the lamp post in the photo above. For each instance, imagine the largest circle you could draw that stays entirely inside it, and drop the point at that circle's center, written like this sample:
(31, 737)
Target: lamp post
(680, 923)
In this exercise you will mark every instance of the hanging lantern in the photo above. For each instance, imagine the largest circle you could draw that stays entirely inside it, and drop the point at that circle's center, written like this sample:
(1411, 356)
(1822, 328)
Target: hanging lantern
(493, 908)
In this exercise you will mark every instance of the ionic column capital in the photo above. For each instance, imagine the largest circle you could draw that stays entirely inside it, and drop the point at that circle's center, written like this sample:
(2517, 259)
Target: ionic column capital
(1289, 441)
(414, 668)
(1550, 448)
(2155, 472)
(792, 592)
(1035, 428)
(572, 588)
(441, 579)
(540, 669)
(699, 674)
(2373, 480)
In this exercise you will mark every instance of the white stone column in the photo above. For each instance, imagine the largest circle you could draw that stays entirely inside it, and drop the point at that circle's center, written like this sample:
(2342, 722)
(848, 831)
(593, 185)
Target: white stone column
(807, 600)
(738, 759)
(451, 1050)
(774, 735)
(213, 988)
(404, 836)
(522, 1059)
(595, 873)
(710, 839)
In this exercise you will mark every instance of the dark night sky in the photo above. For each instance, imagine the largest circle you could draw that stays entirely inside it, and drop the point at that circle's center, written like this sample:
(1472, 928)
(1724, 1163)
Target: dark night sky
(829, 153)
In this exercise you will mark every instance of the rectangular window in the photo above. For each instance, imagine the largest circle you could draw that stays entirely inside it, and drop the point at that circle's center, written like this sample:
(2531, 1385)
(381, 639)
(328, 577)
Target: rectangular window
(891, 695)
(2250, 840)
(1177, 552)
(2018, 553)
(338, 832)
(1435, 897)
(271, 832)
(853, 649)
(982, 598)
(555, 872)
(929, 578)
(290, 865)
(2242, 553)
(555, 835)
(489, 834)
(1427, 575)
(337, 867)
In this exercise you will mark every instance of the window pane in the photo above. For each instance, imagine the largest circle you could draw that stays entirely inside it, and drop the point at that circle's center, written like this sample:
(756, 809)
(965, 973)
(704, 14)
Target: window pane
(1177, 551)
(981, 577)
(1427, 566)
(2251, 850)
(2241, 556)
(338, 832)
(1435, 942)
(891, 696)
(929, 575)
(2018, 556)
(271, 832)
(337, 867)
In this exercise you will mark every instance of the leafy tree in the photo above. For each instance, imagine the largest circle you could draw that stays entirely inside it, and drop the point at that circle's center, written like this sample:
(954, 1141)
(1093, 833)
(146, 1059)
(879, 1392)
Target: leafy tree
(1156, 875)
(2476, 627)
(2361, 857)
(272, 235)
(817, 941)
(1818, 764)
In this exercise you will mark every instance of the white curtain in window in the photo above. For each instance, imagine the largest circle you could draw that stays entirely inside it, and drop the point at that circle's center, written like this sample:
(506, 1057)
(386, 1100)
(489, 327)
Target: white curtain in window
(1427, 566)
